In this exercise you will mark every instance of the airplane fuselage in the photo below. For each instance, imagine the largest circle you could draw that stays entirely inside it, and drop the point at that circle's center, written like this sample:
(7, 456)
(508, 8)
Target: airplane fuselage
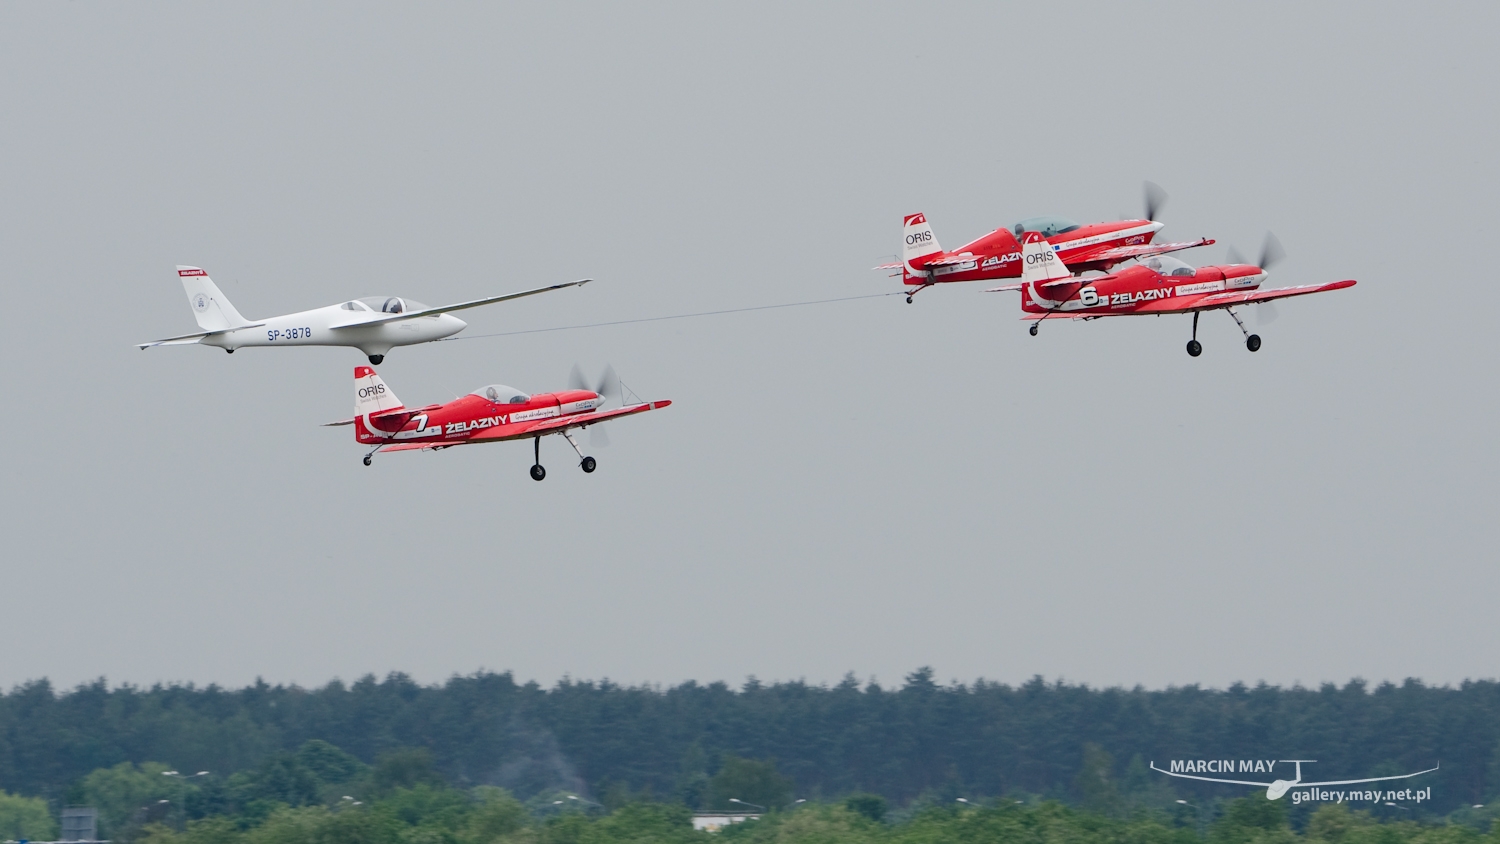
(997, 255)
(462, 418)
(1136, 289)
(331, 326)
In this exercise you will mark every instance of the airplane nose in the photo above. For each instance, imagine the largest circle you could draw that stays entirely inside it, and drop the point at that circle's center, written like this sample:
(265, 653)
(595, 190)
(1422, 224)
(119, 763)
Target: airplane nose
(1157, 225)
(602, 400)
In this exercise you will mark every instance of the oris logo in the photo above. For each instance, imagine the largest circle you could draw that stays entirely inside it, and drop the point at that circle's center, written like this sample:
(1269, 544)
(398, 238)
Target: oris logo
(918, 237)
(372, 392)
(1041, 257)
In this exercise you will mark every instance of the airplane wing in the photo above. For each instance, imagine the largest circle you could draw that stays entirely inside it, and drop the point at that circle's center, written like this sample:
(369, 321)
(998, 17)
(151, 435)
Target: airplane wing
(1209, 301)
(187, 339)
(1219, 300)
(540, 428)
(560, 423)
(1003, 288)
(1140, 250)
(460, 306)
(887, 267)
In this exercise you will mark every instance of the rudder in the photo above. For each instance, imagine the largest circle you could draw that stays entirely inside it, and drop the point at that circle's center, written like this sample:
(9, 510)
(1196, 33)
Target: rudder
(918, 241)
(210, 307)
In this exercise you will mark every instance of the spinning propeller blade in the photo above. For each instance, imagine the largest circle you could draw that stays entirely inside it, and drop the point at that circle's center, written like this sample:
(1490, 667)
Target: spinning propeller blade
(576, 381)
(1155, 199)
(1233, 256)
(1265, 313)
(1271, 253)
(609, 386)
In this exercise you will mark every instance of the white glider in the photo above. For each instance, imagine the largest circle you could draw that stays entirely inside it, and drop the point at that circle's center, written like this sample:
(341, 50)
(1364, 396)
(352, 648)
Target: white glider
(373, 325)
(1276, 788)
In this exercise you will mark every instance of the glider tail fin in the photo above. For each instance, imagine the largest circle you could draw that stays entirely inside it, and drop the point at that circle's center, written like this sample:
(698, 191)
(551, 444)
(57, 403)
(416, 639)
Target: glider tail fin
(917, 241)
(210, 307)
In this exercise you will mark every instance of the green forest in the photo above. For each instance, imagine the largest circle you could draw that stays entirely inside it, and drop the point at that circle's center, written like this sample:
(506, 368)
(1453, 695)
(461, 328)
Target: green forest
(484, 758)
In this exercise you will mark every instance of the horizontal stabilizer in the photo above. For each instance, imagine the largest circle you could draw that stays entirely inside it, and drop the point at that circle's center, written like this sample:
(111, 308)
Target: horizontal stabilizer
(188, 339)
(1004, 288)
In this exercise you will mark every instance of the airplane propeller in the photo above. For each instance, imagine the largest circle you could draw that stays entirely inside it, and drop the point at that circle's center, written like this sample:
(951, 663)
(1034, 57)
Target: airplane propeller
(1155, 199)
(1271, 254)
(608, 386)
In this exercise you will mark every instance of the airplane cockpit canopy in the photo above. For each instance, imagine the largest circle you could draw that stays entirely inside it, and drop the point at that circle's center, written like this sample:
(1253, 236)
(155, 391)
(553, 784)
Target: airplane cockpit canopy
(1167, 265)
(501, 394)
(1047, 226)
(390, 304)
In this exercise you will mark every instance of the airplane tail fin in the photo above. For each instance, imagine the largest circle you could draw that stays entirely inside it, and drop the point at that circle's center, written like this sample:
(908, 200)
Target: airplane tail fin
(371, 395)
(917, 241)
(210, 307)
(1039, 262)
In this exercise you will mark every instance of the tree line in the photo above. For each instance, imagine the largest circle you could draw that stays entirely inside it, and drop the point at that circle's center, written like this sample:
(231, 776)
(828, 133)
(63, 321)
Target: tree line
(1058, 741)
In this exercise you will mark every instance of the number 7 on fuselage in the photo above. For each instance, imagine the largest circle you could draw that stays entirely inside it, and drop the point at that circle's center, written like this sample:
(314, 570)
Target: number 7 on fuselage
(488, 415)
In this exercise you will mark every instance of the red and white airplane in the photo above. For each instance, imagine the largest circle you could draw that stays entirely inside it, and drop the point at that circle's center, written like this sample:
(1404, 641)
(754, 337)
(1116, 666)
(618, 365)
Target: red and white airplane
(1097, 246)
(488, 415)
(1155, 286)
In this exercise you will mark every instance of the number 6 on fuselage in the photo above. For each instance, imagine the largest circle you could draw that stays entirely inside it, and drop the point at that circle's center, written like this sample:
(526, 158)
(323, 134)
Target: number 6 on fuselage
(373, 325)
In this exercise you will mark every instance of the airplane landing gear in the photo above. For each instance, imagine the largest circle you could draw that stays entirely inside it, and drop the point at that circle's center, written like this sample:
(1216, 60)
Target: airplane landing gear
(1034, 328)
(588, 464)
(368, 457)
(1252, 341)
(918, 290)
(229, 351)
(376, 360)
(537, 472)
(1194, 347)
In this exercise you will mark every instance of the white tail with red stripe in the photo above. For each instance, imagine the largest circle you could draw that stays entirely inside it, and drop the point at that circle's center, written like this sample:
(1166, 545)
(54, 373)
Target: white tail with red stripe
(210, 307)
(918, 241)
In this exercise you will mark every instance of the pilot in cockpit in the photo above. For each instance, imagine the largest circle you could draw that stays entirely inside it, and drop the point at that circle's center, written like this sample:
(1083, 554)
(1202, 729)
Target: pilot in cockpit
(1167, 265)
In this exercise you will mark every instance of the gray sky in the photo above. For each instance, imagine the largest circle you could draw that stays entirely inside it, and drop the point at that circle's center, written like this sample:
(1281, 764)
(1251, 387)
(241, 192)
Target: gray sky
(865, 486)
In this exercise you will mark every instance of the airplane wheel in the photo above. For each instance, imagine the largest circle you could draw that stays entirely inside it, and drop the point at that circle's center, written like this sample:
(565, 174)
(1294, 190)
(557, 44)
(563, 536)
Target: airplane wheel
(1033, 329)
(367, 459)
(537, 472)
(589, 464)
(908, 300)
(1195, 348)
(376, 360)
(1253, 342)
(229, 351)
